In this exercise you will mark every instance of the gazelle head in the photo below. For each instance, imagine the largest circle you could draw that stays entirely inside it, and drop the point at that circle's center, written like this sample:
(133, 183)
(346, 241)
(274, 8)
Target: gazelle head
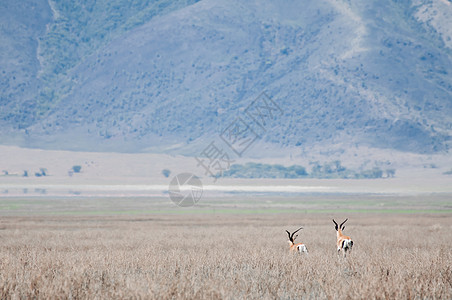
(340, 227)
(291, 236)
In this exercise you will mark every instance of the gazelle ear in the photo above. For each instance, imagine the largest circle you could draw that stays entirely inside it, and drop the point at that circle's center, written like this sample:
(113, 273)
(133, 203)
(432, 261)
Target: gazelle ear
(295, 237)
(343, 228)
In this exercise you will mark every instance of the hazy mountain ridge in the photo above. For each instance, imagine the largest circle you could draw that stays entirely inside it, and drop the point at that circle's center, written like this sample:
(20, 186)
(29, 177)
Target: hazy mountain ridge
(374, 73)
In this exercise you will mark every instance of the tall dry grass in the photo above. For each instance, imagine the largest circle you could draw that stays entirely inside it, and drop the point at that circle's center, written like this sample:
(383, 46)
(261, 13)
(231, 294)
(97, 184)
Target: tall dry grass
(224, 257)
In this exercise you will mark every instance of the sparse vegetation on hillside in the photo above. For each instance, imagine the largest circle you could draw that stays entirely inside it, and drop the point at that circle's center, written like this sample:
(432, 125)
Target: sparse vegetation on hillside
(68, 32)
(130, 72)
(81, 27)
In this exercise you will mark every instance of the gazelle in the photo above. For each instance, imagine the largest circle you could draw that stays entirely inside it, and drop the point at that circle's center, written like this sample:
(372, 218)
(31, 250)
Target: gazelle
(344, 242)
(300, 248)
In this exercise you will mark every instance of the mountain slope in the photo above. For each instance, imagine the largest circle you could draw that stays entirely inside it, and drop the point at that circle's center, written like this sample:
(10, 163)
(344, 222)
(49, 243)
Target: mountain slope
(374, 73)
(21, 23)
(42, 40)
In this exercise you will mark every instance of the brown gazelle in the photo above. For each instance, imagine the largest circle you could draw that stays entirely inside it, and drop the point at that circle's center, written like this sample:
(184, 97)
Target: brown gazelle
(300, 248)
(344, 243)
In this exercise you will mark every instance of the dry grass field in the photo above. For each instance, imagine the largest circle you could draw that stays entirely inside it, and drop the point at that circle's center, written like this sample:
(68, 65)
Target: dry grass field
(224, 256)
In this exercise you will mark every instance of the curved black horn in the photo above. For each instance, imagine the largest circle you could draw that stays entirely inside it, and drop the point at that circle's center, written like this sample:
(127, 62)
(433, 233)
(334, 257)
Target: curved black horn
(335, 224)
(343, 223)
(290, 238)
(296, 231)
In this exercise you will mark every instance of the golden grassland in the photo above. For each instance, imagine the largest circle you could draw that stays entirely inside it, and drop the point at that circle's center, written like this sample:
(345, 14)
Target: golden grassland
(225, 256)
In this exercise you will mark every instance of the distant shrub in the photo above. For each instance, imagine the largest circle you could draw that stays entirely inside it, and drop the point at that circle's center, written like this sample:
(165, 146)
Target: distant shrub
(76, 168)
(327, 170)
(42, 172)
(166, 172)
(332, 169)
(258, 170)
(370, 174)
(390, 172)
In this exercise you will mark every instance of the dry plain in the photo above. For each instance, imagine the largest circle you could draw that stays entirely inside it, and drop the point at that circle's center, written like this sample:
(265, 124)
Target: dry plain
(231, 249)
